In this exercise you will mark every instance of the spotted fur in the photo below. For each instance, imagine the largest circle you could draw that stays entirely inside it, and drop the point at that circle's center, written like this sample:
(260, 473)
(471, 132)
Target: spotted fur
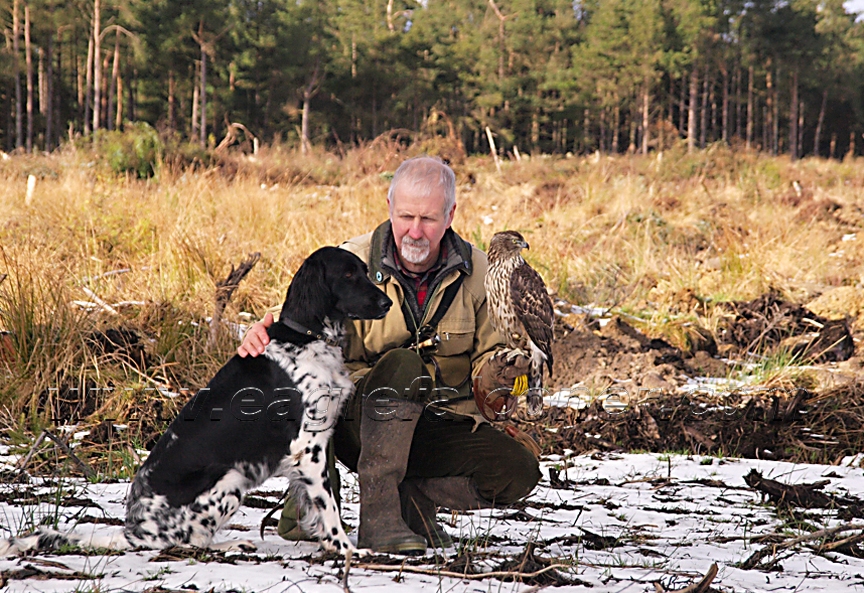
(259, 417)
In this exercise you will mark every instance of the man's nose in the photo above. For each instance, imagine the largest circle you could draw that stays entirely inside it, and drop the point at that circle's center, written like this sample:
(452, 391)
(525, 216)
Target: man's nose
(415, 231)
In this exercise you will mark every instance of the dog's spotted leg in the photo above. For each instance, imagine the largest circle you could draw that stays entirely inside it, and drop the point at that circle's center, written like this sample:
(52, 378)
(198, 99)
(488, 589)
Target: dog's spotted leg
(310, 486)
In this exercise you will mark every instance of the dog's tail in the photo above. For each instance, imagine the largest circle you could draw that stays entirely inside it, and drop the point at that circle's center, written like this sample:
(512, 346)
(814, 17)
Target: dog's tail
(45, 539)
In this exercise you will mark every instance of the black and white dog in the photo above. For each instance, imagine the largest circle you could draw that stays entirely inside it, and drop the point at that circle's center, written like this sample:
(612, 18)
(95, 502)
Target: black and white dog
(271, 415)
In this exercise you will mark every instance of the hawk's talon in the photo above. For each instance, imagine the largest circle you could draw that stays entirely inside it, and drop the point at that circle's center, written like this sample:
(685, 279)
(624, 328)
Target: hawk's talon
(520, 385)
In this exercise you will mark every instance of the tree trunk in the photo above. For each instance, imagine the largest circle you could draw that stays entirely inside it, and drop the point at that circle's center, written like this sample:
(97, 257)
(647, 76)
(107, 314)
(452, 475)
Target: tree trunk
(97, 64)
(801, 109)
(115, 74)
(703, 132)
(646, 105)
(132, 105)
(40, 81)
(16, 71)
(820, 122)
(725, 114)
(118, 123)
(602, 142)
(172, 101)
(28, 56)
(203, 128)
(49, 94)
(390, 26)
(304, 124)
(88, 80)
(631, 147)
(586, 131)
(691, 117)
(501, 43)
(535, 130)
(738, 100)
(775, 119)
(682, 108)
(79, 75)
(196, 89)
(793, 117)
(750, 114)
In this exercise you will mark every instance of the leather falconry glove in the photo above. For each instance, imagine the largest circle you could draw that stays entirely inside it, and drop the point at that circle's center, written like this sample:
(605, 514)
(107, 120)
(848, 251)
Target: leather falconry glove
(493, 387)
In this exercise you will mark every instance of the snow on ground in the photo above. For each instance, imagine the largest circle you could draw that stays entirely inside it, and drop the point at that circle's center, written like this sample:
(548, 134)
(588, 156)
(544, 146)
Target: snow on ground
(621, 523)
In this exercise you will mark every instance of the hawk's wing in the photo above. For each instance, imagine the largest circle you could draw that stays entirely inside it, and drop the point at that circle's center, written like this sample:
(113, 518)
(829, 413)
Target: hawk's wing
(533, 308)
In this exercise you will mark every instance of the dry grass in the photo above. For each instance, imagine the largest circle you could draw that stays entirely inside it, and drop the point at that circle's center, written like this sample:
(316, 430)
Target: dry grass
(662, 238)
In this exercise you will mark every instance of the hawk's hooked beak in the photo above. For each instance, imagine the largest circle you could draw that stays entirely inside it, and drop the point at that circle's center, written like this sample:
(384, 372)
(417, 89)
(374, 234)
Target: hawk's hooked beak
(524, 245)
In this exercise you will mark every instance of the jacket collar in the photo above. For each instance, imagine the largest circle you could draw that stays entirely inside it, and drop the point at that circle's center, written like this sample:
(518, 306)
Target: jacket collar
(382, 239)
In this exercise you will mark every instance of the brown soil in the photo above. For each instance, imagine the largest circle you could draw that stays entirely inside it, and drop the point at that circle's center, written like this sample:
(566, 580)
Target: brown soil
(774, 423)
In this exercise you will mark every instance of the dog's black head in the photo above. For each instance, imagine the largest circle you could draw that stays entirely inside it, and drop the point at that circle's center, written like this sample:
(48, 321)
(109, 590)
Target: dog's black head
(333, 284)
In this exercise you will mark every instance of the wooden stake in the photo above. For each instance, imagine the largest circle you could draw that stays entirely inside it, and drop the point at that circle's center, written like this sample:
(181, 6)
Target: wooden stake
(492, 149)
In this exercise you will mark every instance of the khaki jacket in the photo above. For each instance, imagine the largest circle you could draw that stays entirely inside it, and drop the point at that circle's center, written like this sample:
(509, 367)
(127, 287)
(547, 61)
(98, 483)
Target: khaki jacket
(467, 337)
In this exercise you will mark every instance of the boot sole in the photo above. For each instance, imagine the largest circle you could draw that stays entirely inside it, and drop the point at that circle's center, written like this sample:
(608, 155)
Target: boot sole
(404, 547)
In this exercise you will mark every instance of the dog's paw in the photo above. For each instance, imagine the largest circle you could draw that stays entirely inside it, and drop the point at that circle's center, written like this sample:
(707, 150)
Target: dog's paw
(240, 545)
(339, 546)
(362, 552)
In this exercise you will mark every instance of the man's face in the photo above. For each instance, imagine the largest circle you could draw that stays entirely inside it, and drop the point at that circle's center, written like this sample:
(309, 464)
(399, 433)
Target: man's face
(419, 224)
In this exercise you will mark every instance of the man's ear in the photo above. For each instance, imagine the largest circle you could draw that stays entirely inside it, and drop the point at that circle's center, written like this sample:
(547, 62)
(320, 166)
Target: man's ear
(450, 216)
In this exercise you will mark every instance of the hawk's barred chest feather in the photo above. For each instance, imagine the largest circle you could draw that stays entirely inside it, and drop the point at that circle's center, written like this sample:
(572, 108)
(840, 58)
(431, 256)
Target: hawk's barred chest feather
(501, 310)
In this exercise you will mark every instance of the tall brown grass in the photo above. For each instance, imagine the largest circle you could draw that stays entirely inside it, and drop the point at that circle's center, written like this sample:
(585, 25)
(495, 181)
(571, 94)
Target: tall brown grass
(661, 237)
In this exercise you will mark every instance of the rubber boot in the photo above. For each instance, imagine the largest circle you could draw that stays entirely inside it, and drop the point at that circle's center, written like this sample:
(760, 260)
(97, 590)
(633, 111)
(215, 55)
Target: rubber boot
(419, 514)
(289, 520)
(385, 442)
(458, 493)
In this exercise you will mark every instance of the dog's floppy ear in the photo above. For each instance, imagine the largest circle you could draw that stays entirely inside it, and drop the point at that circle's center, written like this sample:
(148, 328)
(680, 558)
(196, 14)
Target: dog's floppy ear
(309, 296)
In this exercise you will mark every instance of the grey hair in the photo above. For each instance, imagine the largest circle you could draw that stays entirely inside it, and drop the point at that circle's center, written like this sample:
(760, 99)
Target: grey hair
(424, 174)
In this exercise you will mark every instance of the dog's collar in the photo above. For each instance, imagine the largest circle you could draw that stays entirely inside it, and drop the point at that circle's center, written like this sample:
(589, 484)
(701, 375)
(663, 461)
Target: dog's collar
(302, 329)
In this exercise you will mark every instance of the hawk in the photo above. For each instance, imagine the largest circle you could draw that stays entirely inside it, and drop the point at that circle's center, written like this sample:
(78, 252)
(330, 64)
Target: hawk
(520, 309)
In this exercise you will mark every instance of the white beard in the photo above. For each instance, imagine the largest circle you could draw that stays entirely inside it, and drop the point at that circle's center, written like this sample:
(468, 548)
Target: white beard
(414, 252)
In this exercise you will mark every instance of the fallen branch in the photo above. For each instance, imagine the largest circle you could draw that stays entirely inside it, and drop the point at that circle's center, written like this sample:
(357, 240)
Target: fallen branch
(458, 575)
(22, 465)
(225, 289)
(700, 587)
(108, 308)
(88, 472)
(808, 496)
(755, 558)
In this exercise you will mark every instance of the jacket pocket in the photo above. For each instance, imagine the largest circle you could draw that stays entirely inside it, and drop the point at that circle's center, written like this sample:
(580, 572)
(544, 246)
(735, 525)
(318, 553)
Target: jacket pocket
(457, 336)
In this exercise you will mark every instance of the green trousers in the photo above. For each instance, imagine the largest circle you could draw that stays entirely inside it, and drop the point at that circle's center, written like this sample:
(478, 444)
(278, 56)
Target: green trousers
(444, 444)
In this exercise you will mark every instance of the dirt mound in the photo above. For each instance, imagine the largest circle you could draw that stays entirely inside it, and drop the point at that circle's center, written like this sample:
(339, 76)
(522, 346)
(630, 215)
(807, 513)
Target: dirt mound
(840, 303)
(767, 323)
(619, 354)
(793, 425)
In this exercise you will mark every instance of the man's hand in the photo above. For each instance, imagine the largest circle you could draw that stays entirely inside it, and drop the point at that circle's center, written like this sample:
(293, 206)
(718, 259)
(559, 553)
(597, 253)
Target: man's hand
(493, 387)
(256, 339)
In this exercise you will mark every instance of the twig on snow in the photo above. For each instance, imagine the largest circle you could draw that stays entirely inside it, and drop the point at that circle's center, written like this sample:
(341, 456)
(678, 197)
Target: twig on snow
(757, 556)
(459, 575)
(701, 587)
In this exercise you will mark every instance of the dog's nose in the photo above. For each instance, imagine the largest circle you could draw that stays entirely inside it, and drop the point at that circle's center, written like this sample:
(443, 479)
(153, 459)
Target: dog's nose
(384, 302)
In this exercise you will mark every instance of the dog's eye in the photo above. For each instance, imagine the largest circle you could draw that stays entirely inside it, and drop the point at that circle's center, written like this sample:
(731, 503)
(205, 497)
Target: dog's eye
(349, 274)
